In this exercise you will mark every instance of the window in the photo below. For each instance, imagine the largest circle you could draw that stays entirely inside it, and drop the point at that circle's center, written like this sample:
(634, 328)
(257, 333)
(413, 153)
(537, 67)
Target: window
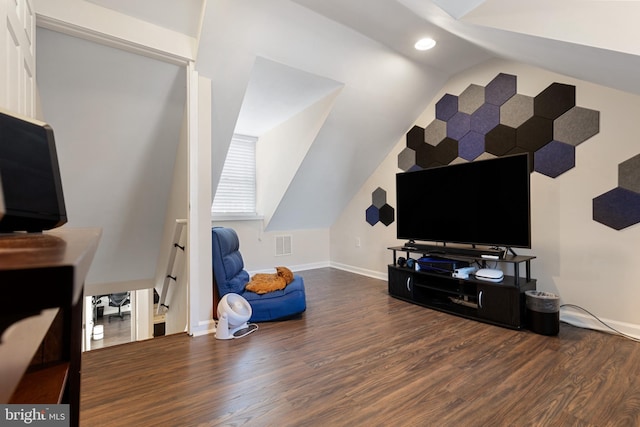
(236, 193)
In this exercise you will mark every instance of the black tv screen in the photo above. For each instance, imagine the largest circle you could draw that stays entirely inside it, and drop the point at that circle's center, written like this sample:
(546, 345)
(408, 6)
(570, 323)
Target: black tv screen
(31, 197)
(485, 202)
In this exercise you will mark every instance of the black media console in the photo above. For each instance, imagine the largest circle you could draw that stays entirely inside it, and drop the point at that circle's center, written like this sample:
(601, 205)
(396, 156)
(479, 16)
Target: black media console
(499, 303)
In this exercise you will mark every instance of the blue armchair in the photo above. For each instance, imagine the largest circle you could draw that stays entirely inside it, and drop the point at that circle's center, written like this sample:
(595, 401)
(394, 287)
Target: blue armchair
(229, 276)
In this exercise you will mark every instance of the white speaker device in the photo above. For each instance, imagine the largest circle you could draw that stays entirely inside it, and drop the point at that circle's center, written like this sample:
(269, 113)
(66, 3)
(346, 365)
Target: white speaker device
(490, 274)
(233, 314)
(464, 272)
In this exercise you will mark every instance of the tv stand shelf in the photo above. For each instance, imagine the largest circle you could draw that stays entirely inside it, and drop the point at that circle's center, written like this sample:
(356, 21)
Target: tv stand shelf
(500, 303)
(41, 325)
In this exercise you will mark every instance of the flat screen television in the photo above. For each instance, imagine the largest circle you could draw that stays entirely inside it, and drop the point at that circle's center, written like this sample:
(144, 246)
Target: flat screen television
(31, 197)
(485, 202)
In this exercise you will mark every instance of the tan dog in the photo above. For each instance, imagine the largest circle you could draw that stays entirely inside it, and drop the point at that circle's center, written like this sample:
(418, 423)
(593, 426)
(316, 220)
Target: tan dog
(261, 283)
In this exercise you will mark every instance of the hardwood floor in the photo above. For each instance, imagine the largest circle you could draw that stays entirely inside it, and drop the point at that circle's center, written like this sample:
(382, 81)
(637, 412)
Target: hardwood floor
(359, 357)
(117, 331)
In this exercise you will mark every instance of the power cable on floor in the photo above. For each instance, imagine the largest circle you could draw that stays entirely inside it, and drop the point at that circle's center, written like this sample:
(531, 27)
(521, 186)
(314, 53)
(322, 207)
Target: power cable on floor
(617, 332)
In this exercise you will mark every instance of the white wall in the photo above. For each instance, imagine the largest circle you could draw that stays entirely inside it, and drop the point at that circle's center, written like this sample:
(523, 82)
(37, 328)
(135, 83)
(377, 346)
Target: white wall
(199, 248)
(281, 150)
(310, 247)
(177, 209)
(117, 132)
(584, 262)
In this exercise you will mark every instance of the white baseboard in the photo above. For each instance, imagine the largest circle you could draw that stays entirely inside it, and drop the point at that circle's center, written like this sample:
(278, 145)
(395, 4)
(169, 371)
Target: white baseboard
(310, 266)
(581, 319)
(294, 268)
(357, 270)
(204, 327)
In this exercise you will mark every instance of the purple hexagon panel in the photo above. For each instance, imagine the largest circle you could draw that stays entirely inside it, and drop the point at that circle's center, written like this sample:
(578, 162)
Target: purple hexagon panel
(379, 211)
(555, 158)
(620, 208)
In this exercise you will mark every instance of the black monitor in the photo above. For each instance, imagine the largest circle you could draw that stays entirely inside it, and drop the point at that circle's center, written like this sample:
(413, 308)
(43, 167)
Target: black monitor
(31, 197)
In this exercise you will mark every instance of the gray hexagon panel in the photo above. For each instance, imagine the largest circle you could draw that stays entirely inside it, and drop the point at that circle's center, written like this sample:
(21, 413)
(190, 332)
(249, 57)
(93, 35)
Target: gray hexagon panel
(435, 132)
(379, 197)
(471, 99)
(517, 110)
(629, 174)
(576, 125)
(407, 159)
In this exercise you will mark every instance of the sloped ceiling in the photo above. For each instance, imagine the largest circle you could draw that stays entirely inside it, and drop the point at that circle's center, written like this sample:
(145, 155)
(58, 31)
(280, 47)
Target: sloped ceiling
(182, 16)
(589, 40)
(282, 92)
(366, 46)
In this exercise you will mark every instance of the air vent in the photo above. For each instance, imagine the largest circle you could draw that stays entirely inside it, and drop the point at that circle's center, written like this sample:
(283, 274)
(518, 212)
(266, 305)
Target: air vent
(283, 245)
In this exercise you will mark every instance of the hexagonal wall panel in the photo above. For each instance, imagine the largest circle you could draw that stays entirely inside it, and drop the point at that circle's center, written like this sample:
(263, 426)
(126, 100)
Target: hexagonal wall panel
(471, 146)
(485, 118)
(379, 210)
(618, 208)
(458, 125)
(406, 159)
(500, 140)
(471, 99)
(554, 101)
(517, 110)
(426, 156)
(387, 214)
(415, 137)
(372, 215)
(435, 132)
(468, 128)
(629, 174)
(500, 89)
(535, 133)
(379, 197)
(576, 125)
(554, 159)
(446, 151)
(446, 107)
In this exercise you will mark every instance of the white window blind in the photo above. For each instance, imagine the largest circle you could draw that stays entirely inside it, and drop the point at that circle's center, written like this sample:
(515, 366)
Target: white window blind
(236, 193)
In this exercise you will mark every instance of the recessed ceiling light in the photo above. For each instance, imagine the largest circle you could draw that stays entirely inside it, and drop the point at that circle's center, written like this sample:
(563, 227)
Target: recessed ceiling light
(425, 44)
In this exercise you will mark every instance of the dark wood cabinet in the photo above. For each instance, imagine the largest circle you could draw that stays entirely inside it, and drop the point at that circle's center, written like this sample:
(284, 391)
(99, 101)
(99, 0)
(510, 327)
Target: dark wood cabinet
(42, 283)
(401, 283)
(500, 303)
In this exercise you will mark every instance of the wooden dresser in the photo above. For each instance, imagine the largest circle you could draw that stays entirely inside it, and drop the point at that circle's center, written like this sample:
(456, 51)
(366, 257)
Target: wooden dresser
(42, 284)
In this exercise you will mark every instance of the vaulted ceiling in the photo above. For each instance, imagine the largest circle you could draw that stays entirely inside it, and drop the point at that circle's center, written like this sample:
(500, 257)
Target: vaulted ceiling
(270, 59)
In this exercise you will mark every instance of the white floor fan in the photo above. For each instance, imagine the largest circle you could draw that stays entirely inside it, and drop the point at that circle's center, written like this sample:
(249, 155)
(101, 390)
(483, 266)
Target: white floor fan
(233, 314)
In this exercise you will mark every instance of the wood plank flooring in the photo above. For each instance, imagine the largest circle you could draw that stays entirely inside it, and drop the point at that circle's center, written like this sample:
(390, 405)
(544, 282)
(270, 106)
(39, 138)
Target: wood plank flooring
(359, 357)
(118, 331)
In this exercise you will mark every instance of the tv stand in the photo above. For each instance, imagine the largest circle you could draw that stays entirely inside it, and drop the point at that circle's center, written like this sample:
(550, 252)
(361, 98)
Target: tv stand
(431, 249)
(499, 303)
